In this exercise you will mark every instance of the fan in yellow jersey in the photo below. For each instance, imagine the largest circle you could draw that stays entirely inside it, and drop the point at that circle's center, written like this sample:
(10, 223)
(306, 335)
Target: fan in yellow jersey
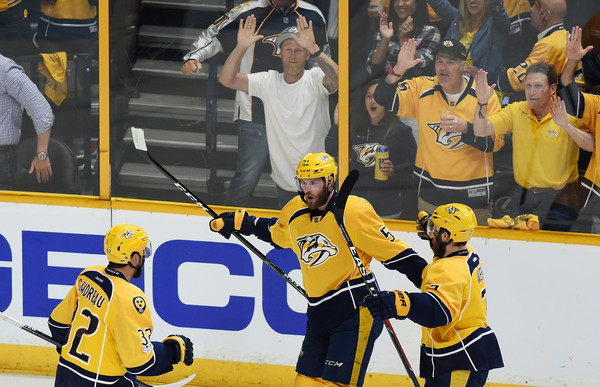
(587, 107)
(545, 145)
(105, 325)
(450, 166)
(340, 333)
(459, 348)
(68, 25)
(547, 18)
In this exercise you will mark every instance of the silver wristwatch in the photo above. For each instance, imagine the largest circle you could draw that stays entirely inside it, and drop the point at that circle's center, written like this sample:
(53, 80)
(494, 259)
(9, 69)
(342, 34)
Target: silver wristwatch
(42, 155)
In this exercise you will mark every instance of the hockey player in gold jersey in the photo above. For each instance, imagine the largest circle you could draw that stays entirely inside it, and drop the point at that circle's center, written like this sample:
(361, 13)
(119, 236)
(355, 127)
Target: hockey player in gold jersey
(459, 348)
(340, 333)
(104, 321)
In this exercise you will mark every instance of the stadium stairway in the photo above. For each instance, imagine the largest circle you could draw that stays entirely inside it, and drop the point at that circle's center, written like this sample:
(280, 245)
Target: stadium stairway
(172, 109)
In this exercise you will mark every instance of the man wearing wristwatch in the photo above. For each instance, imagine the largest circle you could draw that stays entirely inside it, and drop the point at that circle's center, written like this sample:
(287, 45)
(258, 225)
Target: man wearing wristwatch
(18, 93)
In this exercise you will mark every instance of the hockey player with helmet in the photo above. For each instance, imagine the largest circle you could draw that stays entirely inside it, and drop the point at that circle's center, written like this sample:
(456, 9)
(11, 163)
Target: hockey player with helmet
(340, 333)
(104, 321)
(458, 345)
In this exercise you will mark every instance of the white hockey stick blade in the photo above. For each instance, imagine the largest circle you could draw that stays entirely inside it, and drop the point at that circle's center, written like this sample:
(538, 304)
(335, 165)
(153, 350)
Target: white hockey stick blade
(139, 141)
(180, 383)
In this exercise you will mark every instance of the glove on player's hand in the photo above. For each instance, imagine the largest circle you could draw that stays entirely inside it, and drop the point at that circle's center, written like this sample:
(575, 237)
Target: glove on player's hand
(422, 220)
(385, 305)
(184, 349)
(229, 222)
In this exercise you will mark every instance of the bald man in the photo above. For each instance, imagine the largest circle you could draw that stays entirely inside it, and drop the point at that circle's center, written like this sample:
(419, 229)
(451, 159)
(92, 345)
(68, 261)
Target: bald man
(547, 17)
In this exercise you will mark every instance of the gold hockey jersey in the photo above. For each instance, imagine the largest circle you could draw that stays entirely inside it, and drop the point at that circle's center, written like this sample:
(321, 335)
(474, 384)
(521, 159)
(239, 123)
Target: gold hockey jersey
(110, 326)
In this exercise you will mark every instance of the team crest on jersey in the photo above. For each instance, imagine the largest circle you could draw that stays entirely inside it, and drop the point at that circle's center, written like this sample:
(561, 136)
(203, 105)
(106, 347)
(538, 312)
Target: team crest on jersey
(316, 249)
(140, 304)
(450, 140)
(552, 133)
(365, 153)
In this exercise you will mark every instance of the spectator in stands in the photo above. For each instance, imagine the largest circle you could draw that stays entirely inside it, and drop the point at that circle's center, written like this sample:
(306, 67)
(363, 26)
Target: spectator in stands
(521, 35)
(545, 145)
(68, 25)
(481, 26)
(547, 19)
(408, 19)
(449, 166)
(296, 101)
(17, 92)
(15, 30)
(272, 16)
(370, 127)
(586, 107)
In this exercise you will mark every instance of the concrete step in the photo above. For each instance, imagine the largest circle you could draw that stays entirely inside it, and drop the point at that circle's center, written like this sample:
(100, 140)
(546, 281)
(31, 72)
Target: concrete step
(167, 37)
(168, 68)
(180, 107)
(184, 140)
(146, 176)
(193, 5)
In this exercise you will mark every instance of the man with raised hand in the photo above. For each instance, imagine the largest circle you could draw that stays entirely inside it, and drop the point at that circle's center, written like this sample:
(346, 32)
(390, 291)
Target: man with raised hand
(458, 346)
(545, 145)
(273, 16)
(296, 101)
(451, 163)
(340, 334)
(587, 107)
(105, 325)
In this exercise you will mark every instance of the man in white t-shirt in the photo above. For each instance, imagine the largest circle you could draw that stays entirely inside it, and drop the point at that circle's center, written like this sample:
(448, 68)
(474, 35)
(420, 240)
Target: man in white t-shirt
(296, 101)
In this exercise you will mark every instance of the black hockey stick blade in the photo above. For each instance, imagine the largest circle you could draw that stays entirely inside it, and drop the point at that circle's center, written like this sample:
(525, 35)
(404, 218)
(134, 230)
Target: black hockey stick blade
(338, 211)
(29, 329)
(342, 198)
(139, 142)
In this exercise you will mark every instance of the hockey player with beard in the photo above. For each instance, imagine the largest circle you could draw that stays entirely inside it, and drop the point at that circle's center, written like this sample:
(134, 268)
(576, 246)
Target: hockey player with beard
(340, 333)
(459, 348)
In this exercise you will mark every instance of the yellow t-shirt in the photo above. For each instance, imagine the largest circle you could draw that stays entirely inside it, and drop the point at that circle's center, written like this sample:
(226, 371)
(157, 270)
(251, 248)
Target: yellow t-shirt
(467, 40)
(544, 155)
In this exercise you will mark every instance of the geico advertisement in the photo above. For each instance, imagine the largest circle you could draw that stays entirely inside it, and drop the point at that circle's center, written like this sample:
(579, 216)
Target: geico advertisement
(214, 290)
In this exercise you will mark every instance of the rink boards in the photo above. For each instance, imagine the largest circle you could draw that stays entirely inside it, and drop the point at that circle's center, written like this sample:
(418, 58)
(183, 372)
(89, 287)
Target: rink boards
(247, 323)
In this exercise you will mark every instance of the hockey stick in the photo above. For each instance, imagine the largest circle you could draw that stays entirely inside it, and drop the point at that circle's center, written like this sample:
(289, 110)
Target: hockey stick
(338, 212)
(180, 383)
(140, 144)
(49, 339)
(29, 329)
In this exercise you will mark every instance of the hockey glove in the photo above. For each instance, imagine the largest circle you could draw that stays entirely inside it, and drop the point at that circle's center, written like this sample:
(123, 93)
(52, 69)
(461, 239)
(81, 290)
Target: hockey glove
(229, 222)
(385, 305)
(422, 220)
(184, 349)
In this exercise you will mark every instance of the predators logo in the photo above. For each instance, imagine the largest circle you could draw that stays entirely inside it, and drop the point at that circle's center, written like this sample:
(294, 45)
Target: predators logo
(140, 304)
(450, 140)
(365, 153)
(316, 249)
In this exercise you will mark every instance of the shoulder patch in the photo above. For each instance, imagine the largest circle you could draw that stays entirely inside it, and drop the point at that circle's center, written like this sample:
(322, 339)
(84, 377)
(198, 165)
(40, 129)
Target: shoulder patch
(139, 304)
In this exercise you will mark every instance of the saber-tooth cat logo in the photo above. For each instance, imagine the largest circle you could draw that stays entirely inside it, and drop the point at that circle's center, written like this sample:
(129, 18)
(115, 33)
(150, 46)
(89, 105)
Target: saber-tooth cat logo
(316, 249)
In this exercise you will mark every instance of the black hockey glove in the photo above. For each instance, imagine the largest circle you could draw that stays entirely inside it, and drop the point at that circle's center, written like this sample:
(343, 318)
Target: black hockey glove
(184, 349)
(385, 305)
(422, 220)
(229, 222)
